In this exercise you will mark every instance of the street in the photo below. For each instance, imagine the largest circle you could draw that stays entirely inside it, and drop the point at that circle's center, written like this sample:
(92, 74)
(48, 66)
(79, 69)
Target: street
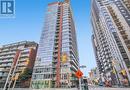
(105, 88)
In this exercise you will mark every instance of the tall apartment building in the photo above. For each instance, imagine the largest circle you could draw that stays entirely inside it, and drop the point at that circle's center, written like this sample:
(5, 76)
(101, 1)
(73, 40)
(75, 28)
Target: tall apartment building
(94, 73)
(58, 38)
(15, 59)
(111, 38)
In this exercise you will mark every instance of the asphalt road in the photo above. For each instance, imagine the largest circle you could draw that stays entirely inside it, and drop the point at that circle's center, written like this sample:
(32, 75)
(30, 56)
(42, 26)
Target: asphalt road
(105, 88)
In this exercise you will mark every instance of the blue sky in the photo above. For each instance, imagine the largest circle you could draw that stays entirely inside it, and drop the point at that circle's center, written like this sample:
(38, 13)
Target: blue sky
(28, 23)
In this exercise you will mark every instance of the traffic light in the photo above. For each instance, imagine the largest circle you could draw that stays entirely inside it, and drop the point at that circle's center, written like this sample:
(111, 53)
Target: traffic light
(64, 58)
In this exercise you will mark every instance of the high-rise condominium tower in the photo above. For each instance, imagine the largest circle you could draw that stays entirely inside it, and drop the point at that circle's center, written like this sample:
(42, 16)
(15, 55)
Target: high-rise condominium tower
(111, 38)
(58, 38)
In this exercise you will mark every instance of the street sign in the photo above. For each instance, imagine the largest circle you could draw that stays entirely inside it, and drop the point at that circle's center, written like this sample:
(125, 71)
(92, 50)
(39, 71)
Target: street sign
(83, 66)
(79, 74)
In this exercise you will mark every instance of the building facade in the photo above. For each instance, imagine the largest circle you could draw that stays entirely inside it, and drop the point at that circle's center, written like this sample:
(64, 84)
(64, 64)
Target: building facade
(58, 38)
(15, 59)
(111, 39)
(94, 76)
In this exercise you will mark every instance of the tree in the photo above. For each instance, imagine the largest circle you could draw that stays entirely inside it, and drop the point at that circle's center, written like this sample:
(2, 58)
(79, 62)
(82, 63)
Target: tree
(25, 75)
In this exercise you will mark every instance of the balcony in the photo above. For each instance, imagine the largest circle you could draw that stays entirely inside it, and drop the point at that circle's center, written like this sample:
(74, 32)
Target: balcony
(5, 65)
(7, 57)
(7, 53)
(56, 46)
(127, 41)
(122, 32)
(3, 75)
(55, 51)
(22, 60)
(6, 61)
(56, 42)
(115, 17)
(125, 37)
(120, 28)
(24, 55)
(4, 70)
(20, 70)
(55, 55)
(22, 64)
(54, 66)
(117, 20)
(54, 61)
(118, 23)
(56, 39)
(73, 68)
(128, 46)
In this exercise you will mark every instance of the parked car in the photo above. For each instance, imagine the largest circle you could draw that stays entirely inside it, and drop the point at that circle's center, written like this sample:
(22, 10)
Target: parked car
(101, 84)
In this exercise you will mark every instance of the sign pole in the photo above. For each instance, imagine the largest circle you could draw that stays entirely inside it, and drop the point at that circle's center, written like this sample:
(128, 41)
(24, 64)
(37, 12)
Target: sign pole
(80, 87)
(80, 83)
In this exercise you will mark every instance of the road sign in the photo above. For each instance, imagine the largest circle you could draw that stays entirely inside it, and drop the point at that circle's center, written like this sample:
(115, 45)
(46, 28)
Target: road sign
(79, 74)
(83, 66)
